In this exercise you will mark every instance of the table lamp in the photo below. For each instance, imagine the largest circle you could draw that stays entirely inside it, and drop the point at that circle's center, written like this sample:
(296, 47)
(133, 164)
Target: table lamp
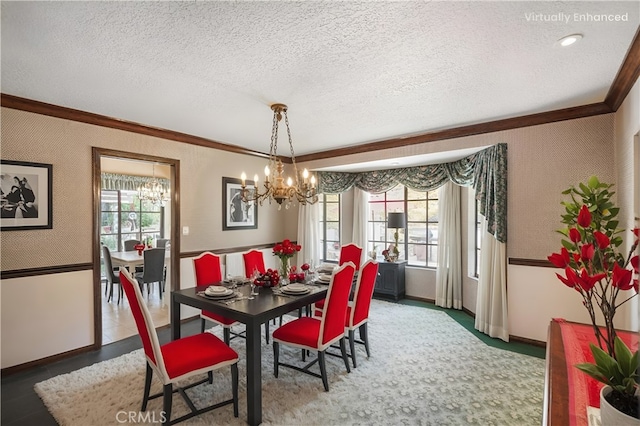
(396, 220)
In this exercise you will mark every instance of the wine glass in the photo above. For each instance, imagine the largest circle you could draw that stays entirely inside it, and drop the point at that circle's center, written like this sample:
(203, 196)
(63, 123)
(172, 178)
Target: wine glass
(254, 277)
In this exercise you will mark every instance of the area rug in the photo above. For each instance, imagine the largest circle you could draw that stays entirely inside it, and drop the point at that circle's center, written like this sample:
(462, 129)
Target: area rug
(424, 369)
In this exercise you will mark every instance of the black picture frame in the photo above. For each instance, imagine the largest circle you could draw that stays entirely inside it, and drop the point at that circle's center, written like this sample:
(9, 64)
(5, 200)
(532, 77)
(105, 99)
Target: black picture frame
(26, 201)
(237, 214)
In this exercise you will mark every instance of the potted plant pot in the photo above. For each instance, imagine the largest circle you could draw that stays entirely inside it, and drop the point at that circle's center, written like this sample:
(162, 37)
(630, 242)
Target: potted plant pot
(611, 416)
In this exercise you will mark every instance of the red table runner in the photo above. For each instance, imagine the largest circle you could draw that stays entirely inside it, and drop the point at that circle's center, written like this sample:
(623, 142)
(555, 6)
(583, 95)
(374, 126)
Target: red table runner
(583, 390)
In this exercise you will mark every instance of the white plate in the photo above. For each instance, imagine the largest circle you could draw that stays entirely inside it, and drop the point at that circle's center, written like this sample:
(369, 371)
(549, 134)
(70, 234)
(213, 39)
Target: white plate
(296, 287)
(217, 291)
(285, 290)
(218, 296)
(324, 278)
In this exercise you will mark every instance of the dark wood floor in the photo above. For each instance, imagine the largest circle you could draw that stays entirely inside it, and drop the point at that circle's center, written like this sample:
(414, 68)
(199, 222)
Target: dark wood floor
(22, 406)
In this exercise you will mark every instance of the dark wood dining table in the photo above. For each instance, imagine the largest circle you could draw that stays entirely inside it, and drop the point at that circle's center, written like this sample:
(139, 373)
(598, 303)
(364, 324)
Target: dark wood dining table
(253, 313)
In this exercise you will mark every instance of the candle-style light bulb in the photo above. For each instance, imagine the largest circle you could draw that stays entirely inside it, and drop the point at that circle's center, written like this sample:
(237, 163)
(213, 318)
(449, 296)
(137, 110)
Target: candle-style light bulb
(289, 181)
(243, 177)
(305, 174)
(313, 181)
(255, 179)
(266, 173)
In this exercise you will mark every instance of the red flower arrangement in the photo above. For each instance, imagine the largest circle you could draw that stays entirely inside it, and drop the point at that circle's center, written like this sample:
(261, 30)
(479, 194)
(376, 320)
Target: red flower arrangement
(592, 263)
(285, 251)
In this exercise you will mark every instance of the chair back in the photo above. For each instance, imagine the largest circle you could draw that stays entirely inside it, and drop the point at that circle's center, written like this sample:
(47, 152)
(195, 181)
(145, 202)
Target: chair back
(153, 265)
(108, 265)
(351, 253)
(253, 259)
(334, 312)
(206, 268)
(162, 242)
(130, 244)
(363, 293)
(144, 323)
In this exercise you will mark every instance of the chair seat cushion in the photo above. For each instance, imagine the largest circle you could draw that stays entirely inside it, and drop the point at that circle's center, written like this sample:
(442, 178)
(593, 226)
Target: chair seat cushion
(224, 321)
(195, 353)
(301, 332)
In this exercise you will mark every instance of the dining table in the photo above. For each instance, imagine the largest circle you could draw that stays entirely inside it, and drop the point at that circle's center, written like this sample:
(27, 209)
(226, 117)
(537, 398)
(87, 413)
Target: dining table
(265, 306)
(131, 259)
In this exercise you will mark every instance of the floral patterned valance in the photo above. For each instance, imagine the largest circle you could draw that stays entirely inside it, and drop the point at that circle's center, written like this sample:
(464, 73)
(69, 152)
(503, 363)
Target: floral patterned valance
(485, 171)
(116, 181)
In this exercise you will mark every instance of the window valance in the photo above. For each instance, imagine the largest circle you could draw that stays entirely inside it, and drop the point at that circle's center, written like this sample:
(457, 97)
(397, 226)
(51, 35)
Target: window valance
(114, 181)
(485, 171)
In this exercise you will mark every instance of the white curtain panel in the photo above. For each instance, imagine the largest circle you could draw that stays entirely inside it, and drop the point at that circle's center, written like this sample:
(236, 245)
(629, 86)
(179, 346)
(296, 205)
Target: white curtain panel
(309, 234)
(449, 272)
(491, 305)
(360, 216)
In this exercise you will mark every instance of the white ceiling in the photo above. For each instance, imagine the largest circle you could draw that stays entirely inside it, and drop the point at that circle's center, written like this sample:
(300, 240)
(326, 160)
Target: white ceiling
(350, 72)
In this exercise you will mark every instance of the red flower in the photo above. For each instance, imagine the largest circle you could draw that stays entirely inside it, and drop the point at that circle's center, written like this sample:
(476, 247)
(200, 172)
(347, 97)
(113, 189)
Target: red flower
(621, 278)
(584, 217)
(574, 235)
(634, 263)
(636, 232)
(576, 257)
(587, 251)
(570, 281)
(560, 260)
(602, 239)
(635, 286)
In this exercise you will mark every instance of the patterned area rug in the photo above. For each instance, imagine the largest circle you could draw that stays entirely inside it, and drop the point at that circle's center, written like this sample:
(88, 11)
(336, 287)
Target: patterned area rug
(425, 369)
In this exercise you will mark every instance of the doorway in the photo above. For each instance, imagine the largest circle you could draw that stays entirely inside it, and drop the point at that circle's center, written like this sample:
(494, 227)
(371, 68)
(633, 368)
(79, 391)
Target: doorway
(118, 215)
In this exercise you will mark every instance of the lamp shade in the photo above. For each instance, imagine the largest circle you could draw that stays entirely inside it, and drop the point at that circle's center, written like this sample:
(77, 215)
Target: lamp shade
(395, 220)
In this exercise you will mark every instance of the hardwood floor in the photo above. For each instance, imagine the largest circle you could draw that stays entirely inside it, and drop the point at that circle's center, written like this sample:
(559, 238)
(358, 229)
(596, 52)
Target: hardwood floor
(117, 321)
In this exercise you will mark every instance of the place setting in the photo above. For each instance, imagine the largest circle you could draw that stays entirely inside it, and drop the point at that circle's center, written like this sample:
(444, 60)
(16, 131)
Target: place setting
(218, 292)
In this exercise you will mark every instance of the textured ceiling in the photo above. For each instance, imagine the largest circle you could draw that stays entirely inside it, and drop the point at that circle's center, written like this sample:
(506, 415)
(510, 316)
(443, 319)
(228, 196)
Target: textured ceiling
(350, 72)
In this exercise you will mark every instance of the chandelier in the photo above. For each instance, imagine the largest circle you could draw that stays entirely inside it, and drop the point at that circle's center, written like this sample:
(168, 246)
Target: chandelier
(301, 188)
(153, 191)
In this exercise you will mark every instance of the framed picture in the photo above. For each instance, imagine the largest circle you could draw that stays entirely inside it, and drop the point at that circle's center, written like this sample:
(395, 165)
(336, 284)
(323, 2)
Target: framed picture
(27, 194)
(236, 213)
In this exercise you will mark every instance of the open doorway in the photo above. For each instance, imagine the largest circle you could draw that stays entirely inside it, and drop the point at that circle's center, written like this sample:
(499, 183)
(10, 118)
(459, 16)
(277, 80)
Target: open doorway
(120, 214)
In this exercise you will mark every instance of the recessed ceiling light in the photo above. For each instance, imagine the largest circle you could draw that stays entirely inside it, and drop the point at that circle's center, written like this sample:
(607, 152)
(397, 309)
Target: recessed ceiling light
(569, 40)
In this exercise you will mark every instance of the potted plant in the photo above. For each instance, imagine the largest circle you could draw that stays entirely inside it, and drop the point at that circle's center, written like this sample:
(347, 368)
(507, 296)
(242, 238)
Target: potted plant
(620, 375)
(595, 268)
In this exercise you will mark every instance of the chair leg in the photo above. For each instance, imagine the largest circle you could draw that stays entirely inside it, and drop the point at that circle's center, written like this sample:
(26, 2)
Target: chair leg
(266, 331)
(276, 358)
(365, 338)
(345, 358)
(147, 387)
(202, 325)
(226, 335)
(210, 376)
(323, 370)
(167, 396)
(160, 289)
(234, 387)
(352, 347)
(110, 288)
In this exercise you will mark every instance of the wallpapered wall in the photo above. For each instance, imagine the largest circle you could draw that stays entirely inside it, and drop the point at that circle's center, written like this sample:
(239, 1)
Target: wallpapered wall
(67, 145)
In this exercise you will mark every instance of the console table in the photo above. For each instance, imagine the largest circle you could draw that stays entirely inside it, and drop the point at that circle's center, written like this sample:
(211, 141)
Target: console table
(390, 280)
(567, 390)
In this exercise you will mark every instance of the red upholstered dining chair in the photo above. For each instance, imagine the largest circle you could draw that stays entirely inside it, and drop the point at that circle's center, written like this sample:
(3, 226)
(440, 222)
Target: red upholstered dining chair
(358, 309)
(179, 359)
(207, 270)
(318, 334)
(348, 253)
(351, 253)
(253, 260)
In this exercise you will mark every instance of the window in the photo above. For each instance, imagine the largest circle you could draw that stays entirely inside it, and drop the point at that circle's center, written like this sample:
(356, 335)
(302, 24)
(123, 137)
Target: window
(124, 217)
(419, 240)
(329, 226)
(478, 238)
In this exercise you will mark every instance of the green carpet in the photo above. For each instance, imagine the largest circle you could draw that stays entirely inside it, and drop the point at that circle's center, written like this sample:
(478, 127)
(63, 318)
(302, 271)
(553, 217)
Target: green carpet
(467, 322)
